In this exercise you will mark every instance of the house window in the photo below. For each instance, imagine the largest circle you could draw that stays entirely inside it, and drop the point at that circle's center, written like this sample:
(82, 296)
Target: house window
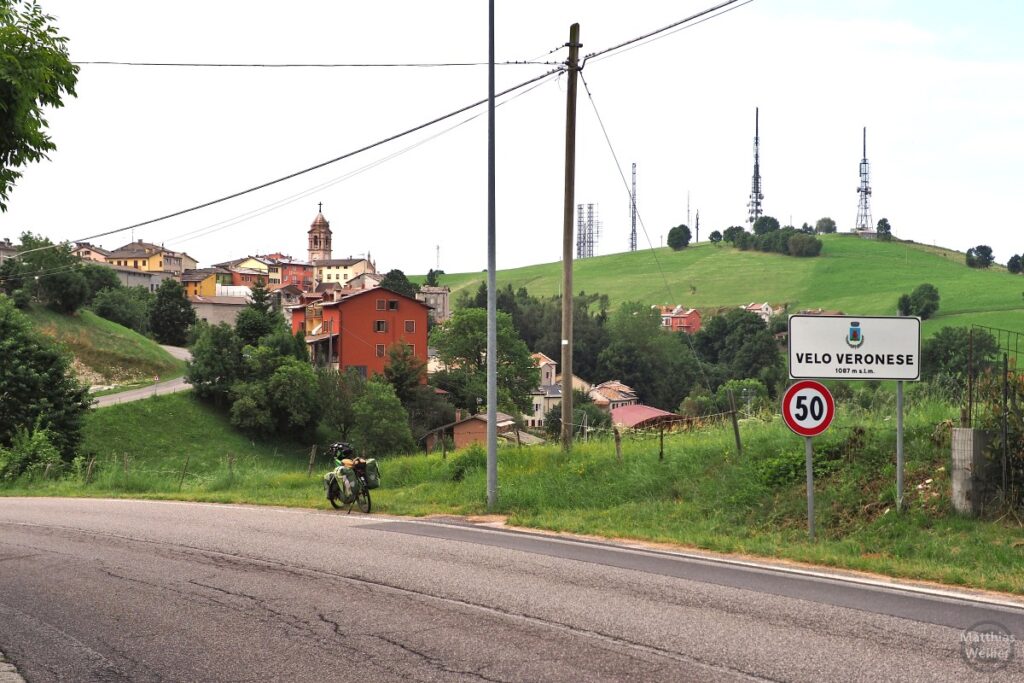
(380, 350)
(380, 305)
(136, 264)
(410, 326)
(536, 407)
(392, 304)
(412, 349)
(360, 369)
(380, 326)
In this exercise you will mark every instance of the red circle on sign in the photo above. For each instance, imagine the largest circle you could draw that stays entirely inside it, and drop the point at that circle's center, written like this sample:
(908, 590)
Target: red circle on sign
(800, 414)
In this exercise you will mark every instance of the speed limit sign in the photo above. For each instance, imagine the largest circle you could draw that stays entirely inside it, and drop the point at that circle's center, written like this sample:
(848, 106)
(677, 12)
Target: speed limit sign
(808, 408)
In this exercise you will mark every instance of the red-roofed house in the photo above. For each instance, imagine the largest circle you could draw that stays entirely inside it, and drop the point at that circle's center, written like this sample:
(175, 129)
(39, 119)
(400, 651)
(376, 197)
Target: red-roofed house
(612, 394)
(356, 330)
(640, 416)
(679, 319)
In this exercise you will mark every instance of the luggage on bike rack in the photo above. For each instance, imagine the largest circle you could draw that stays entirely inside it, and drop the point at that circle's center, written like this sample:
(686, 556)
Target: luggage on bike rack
(372, 474)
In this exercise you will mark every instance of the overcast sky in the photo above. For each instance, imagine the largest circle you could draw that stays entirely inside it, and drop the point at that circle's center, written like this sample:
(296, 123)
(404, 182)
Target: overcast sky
(939, 85)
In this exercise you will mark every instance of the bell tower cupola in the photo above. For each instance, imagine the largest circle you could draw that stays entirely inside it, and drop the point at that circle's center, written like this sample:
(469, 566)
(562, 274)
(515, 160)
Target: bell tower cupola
(319, 237)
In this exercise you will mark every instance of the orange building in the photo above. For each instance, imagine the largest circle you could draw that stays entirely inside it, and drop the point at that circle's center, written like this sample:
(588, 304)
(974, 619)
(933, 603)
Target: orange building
(356, 330)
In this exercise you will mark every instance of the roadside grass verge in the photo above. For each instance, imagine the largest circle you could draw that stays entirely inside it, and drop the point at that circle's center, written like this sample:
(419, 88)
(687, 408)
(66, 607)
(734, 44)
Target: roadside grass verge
(702, 495)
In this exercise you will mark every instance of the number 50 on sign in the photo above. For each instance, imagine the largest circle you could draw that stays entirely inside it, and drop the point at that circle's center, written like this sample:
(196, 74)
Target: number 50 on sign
(808, 408)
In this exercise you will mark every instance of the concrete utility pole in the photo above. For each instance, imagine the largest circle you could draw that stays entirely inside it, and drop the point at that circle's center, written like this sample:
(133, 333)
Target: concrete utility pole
(492, 286)
(570, 199)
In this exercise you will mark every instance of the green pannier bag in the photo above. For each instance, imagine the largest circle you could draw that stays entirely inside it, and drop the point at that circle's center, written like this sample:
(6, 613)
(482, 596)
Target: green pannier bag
(349, 475)
(372, 474)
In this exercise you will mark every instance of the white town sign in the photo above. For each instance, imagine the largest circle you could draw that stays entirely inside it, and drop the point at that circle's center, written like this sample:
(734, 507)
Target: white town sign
(854, 347)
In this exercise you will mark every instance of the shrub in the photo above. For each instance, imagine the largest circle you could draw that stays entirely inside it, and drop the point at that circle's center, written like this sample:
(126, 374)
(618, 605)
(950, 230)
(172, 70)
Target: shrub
(473, 457)
(30, 452)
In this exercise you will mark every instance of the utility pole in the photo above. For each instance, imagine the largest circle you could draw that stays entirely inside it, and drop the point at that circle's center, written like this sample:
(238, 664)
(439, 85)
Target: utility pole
(570, 199)
(492, 285)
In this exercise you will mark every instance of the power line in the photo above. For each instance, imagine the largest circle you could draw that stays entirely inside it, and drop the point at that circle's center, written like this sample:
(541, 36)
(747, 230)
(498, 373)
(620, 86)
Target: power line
(635, 42)
(267, 208)
(309, 169)
(657, 262)
(339, 65)
(678, 25)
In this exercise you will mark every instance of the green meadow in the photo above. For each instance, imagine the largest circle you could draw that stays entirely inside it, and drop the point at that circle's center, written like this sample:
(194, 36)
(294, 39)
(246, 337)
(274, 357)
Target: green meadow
(853, 275)
(113, 353)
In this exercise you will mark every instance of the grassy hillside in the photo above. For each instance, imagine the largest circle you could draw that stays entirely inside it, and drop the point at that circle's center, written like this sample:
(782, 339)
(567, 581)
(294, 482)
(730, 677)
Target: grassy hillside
(856, 276)
(701, 495)
(105, 352)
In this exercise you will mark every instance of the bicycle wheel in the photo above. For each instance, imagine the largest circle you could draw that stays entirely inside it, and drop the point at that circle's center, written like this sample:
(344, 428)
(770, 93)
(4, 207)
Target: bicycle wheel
(363, 500)
(334, 496)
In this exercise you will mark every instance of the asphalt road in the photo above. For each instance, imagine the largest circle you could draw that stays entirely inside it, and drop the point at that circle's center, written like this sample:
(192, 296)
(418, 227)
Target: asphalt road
(100, 590)
(169, 387)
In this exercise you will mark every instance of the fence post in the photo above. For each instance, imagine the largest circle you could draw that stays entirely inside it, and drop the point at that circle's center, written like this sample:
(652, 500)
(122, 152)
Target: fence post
(661, 443)
(618, 444)
(88, 470)
(970, 378)
(735, 422)
(1006, 378)
(312, 460)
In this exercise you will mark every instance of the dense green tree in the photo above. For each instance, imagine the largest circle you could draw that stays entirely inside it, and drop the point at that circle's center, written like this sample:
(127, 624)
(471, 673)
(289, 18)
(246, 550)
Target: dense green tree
(65, 291)
(432, 277)
(37, 388)
(291, 393)
(948, 351)
(807, 229)
(825, 226)
(739, 345)
(35, 72)
(732, 233)
(645, 357)
(404, 371)
(903, 305)
(338, 392)
(715, 237)
(924, 301)
(216, 363)
(99, 278)
(258, 319)
(765, 224)
(396, 281)
(538, 322)
(285, 402)
(1015, 264)
(461, 345)
(171, 315)
(884, 230)
(979, 256)
(802, 244)
(128, 306)
(44, 273)
(679, 237)
(381, 426)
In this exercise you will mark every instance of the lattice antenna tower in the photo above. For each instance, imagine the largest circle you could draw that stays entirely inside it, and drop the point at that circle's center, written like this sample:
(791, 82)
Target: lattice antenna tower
(632, 213)
(588, 230)
(754, 210)
(864, 204)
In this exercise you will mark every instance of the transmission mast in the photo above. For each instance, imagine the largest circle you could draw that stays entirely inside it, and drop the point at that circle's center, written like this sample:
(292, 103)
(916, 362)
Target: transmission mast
(632, 213)
(864, 204)
(754, 205)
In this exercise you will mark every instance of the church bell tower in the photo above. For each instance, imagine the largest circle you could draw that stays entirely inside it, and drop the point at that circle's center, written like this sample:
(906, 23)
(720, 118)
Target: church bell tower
(319, 238)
